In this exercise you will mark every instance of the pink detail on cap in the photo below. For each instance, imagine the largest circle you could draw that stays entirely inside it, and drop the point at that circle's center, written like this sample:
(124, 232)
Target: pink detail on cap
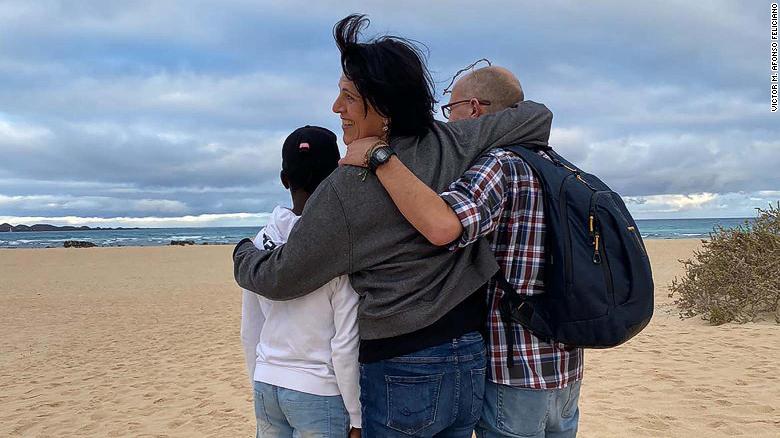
(304, 146)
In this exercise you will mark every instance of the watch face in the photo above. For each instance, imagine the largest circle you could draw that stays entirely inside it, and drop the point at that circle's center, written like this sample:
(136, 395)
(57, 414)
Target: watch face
(382, 155)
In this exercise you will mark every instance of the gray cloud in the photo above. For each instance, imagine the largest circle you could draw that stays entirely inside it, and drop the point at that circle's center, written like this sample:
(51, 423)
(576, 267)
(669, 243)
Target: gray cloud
(646, 164)
(164, 109)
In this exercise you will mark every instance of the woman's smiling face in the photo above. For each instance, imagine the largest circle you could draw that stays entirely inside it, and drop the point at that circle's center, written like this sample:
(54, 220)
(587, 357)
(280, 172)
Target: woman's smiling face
(356, 122)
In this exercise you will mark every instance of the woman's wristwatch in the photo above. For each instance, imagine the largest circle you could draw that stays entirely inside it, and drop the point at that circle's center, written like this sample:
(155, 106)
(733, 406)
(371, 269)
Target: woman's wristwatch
(380, 155)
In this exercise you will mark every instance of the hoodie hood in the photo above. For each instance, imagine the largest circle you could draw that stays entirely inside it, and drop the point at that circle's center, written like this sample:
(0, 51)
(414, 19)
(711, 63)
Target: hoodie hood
(279, 226)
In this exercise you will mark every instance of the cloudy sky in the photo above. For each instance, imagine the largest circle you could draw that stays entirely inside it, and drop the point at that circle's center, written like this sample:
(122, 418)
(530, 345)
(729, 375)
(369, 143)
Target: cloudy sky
(172, 113)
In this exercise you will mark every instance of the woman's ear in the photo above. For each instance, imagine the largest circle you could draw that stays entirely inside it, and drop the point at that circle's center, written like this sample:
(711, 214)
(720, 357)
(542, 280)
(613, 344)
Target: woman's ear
(285, 180)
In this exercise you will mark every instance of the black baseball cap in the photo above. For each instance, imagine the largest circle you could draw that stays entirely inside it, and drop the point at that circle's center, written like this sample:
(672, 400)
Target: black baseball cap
(309, 155)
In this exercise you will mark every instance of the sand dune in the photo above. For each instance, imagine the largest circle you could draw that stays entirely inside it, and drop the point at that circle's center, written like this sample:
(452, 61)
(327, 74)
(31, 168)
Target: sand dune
(144, 342)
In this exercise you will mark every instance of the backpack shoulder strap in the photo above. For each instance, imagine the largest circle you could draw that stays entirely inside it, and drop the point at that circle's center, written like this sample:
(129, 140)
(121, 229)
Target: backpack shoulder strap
(513, 308)
(524, 150)
(530, 153)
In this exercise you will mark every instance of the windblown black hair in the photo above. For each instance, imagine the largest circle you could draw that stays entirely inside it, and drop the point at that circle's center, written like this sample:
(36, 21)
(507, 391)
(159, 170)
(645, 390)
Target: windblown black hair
(389, 72)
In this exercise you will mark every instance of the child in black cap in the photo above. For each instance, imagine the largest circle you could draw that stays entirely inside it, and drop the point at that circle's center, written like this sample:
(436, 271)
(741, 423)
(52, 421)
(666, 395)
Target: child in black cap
(309, 155)
(302, 354)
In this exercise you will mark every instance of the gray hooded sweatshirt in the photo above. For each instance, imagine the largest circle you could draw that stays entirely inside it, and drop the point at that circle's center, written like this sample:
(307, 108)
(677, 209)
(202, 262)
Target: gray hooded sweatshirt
(350, 226)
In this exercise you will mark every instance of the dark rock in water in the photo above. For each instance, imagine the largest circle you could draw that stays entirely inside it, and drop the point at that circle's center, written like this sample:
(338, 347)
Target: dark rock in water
(182, 242)
(78, 244)
(47, 227)
(5, 227)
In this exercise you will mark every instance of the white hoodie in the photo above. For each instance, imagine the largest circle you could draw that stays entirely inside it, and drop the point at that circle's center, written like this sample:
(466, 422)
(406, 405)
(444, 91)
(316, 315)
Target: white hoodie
(309, 344)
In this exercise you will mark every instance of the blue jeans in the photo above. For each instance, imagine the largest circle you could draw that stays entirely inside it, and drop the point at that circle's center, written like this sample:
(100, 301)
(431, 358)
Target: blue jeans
(436, 391)
(529, 413)
(283, 412)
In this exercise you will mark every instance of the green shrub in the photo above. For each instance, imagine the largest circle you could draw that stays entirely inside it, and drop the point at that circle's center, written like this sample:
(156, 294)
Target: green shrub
(735, 276)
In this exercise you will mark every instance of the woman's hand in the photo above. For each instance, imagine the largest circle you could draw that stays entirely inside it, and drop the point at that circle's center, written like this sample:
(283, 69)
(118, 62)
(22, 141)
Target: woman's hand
(354, 433)
(357, 152)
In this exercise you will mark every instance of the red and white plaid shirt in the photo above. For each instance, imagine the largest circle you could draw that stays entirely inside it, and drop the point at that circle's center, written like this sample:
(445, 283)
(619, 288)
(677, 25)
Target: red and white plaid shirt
(499, 197)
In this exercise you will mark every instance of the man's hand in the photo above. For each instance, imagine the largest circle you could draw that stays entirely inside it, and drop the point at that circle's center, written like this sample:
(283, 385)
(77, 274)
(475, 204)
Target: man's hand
(354, 433)
(357, 150)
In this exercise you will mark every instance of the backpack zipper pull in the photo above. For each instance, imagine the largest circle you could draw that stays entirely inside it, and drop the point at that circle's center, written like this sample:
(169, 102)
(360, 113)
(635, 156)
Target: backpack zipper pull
(596, 253)
(591, 228)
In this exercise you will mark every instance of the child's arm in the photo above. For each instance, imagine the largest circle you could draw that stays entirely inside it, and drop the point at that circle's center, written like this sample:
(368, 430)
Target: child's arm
(252, 320)
(344, 347)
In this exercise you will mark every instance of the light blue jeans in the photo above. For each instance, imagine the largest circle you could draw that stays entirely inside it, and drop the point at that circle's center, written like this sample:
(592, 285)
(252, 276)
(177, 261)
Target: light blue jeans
(528, 413)
(286, 413)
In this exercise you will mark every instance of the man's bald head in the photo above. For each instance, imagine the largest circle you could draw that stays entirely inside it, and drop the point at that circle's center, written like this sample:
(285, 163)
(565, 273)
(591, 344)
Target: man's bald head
(494, 83)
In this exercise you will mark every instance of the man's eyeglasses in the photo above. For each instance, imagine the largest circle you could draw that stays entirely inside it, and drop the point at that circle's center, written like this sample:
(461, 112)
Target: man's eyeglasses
(446, 110)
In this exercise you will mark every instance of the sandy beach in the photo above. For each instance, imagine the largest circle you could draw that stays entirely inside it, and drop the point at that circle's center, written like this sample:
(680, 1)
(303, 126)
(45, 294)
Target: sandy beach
(134, 342)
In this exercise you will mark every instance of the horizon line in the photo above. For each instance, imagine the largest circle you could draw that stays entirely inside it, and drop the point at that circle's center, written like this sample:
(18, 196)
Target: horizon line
(106, 228)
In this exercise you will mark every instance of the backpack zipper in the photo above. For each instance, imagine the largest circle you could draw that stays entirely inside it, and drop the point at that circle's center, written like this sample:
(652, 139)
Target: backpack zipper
(631, 229)
(604, 262)
(635, 234)
(592, 219)
(567, 235)
(565, 216)
(599, 259)
(598, 244)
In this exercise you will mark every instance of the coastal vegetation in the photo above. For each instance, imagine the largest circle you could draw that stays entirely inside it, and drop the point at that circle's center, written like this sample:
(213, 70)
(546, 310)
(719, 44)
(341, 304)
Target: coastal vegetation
(735, 276)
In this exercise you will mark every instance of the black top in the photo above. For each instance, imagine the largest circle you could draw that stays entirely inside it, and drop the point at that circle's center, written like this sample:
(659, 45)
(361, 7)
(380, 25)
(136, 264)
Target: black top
(468, 316)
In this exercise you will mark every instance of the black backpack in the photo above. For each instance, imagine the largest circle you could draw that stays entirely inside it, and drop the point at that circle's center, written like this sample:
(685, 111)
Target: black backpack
(598, 283)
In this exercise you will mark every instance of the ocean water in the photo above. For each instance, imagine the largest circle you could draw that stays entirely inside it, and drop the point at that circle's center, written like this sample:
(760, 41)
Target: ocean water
(684, 228)
(139, 237)
(650, 229)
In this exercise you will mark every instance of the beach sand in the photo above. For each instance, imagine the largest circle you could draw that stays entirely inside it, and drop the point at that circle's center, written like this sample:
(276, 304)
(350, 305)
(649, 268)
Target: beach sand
(137, 342)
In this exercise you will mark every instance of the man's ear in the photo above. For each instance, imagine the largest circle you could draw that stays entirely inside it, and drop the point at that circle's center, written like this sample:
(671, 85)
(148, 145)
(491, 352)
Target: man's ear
(476, 109)
(285, 180)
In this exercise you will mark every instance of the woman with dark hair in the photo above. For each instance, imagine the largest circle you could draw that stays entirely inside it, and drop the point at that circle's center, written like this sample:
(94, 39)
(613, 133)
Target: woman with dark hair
(388, 80)
(422, 358)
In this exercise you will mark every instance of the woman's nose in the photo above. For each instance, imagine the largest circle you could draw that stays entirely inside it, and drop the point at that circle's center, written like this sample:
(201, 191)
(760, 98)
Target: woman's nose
(336, 108)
